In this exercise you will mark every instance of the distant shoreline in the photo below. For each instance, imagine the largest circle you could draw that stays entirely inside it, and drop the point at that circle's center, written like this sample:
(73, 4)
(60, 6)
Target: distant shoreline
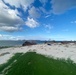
(10, 43)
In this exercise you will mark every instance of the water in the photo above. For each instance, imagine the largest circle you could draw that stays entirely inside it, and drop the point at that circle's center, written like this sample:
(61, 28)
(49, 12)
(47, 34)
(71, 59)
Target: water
(10, 43)
(15, 43)
(4, 43)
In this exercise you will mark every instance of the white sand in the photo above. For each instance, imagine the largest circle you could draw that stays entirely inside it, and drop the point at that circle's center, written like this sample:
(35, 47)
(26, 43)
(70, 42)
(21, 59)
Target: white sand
(55, 50)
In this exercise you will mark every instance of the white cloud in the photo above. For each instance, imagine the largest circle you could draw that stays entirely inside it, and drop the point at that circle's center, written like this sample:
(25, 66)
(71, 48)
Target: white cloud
(4, 37)
(17, 3)
(29, 37)
(34, 12)
(9, 19)
(1, 36)
(60, 6)
(47, 16)
(48, 28)
(11, 37)
(16, 37)
(73, 22)
(43, 1)
(45, 11)
(10, 28)
(31, 23)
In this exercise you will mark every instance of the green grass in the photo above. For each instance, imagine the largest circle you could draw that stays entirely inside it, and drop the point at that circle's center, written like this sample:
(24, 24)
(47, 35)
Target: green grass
(3, 66)
(35, 64)
(5, 47)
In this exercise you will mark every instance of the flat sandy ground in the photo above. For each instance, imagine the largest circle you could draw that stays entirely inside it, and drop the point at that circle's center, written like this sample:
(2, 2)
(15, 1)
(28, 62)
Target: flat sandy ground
(57, 50)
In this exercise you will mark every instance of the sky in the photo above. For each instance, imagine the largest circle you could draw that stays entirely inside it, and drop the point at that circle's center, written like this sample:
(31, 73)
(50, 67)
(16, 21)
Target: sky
(37, 19)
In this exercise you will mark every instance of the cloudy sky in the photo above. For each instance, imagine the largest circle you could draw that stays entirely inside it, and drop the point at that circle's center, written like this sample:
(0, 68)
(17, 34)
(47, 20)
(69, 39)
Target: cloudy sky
(38, 19)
